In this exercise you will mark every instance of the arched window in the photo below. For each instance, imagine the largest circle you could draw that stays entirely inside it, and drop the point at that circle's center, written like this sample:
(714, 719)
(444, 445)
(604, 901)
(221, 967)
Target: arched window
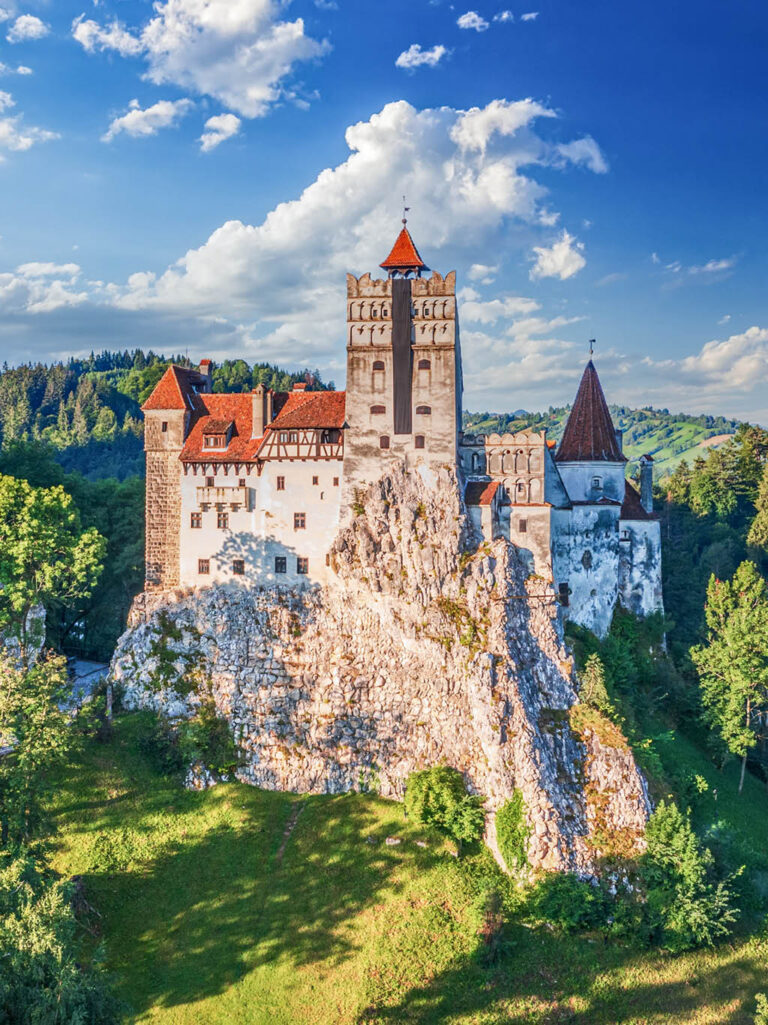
(378, 364)
(384, 441)
(475, 462)
(419, 441)
(375, 410)
(425, 364)
(423, 410)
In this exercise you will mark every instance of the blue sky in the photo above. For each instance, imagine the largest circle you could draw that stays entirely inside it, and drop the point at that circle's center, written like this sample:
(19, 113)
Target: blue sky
(200, 174)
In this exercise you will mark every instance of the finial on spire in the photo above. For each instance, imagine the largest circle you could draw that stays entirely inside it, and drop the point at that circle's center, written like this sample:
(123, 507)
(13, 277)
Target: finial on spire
(405, 211)
(591, 346)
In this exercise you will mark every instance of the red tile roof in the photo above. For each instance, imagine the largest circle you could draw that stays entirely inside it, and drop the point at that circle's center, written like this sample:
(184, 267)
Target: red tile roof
(589, 435)
(295, 409)
(176, 390)
(632, 508)
(212, 426)
(481, 492)
(311, 409)
(404, 255)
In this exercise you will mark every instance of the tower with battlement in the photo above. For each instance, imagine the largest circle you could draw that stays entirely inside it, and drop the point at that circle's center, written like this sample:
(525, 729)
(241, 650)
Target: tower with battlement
(404, 379)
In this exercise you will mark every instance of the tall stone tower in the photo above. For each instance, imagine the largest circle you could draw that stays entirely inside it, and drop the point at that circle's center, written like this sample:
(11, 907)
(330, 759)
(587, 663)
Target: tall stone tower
(168, 415)
(404, 380)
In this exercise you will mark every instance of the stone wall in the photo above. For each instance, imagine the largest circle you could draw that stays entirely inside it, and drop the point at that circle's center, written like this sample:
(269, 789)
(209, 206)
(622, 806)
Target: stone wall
(164, 433)
(418, 652)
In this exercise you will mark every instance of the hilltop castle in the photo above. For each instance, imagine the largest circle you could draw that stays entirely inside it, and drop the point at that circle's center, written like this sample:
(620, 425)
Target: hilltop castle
(254, 487)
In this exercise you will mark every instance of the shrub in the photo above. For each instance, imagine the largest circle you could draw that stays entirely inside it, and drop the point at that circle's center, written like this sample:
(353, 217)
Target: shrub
(684, 907)
(569, 903)
(208, 739)
(761, 1018)
(512, 831)
(438, 797)
(159, 743)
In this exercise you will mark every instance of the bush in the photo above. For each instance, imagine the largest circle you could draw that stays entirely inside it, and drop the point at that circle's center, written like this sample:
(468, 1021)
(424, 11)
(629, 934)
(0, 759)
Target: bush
(438, 797)
(512, 831)
(208, 739)
(159, 743)
(761, 1018)
(684, 907)
(569, 903)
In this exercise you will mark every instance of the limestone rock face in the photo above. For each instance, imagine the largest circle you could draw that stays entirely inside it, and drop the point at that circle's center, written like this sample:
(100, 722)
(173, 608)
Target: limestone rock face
(420, 651)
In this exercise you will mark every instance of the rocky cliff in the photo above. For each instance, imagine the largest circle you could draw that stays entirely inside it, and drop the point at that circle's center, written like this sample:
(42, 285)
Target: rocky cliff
(424, 649)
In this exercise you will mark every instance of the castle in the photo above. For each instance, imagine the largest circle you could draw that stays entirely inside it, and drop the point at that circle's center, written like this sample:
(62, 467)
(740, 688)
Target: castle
(253, 488)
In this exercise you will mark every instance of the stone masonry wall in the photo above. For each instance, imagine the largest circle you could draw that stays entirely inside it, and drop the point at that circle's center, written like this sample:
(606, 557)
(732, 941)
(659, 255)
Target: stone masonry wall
(419, 652)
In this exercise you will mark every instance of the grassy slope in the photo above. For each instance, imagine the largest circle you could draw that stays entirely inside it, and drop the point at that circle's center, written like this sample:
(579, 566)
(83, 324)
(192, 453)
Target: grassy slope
(211, 914)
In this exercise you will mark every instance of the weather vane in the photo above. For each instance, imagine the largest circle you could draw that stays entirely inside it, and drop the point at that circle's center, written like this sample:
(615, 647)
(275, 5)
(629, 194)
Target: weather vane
(405, 211)
(591, 346)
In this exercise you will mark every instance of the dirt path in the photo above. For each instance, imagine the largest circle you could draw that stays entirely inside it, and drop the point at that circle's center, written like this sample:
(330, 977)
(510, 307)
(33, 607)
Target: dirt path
(290, 825)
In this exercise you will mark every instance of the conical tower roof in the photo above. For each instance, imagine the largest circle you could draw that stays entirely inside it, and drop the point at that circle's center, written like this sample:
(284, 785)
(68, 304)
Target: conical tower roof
(589, 434)
(404, 256)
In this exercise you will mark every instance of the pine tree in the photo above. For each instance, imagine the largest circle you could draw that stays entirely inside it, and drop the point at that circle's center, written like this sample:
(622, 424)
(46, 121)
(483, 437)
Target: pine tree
(758, 532)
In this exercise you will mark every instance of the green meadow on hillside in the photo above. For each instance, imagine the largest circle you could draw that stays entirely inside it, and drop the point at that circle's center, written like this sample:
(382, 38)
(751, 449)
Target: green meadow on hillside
(240, 905)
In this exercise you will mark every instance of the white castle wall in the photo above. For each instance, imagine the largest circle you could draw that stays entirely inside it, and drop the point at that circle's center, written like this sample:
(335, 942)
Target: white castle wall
(640, 566)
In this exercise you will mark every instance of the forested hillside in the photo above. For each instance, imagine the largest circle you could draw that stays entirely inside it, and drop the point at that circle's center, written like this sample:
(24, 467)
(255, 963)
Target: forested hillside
(668, 437)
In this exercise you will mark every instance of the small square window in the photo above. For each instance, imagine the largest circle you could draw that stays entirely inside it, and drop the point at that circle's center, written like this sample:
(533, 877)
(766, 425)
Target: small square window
(335, 482)
(238, 567)
(203, 566)
(222, 520)
(196, 520)
(523, 527)
(241, 482)
(419, 441)
(209, 482)
(315, 480)
(299, 521)
(281, 483)
(164, 427)
(302, 565)
(281, 564)
(597, 482)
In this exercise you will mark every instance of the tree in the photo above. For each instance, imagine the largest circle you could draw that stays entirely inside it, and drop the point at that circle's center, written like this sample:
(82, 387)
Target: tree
(758, 532)
(593, 689)
(733, 665)
(438, 797)
(45, 557)
(36, 735)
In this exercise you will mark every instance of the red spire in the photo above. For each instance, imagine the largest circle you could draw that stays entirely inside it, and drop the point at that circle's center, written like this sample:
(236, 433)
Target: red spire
(404, 256)
(589, 435)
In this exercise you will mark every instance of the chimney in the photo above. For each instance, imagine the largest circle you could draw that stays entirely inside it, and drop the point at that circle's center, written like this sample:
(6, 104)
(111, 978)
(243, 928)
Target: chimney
(300, 386)
(646, 483)
(261, 398)
(206, 370)
(619, 438)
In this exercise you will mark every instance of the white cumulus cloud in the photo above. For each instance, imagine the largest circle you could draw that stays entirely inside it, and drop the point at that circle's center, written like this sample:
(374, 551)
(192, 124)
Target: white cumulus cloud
(472, 20)
(584, 151)
(238, 51)
(218, 129)
(40, 288)
(14, 135)
(26, 27)
(415, 57)
(140, 123)
(21, 69)
(483, 273)
(562, 259)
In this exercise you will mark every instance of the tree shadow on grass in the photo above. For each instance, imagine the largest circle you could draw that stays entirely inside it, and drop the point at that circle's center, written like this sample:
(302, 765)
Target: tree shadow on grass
(586, 987)
(204, 915)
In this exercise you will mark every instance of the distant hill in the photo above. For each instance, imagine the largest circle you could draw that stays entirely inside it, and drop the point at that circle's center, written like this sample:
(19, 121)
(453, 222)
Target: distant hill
(668, 437)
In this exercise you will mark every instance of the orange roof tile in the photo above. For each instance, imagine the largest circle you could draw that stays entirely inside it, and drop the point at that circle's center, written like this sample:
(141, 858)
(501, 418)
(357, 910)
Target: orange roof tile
(404, 255)
(311, 409)
(176, 390)
(481, 492)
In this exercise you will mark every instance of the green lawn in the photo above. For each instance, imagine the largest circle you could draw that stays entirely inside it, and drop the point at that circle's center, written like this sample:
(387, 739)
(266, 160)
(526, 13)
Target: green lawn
(225, 906)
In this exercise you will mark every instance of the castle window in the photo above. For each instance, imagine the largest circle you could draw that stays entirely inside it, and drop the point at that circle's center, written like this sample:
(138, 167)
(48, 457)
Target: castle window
(281, 483)
(564, 593)
(164, 426)
(222, 520)
(597, 483)
(315, 480)
(335, 482)
(375, 313)
(299, 521)
(378, 364)
(203, 566)
(377, 410)
(289, 437)
(384, 441)
(196, 520)
(523, 526)
(624, 536)
(281, 564)
(209, 482)
(425, 364)
(241, 482)
(302, 565)
(238, 567)
(423, 410)
(418, 441)
(329, 437)
(215, 441)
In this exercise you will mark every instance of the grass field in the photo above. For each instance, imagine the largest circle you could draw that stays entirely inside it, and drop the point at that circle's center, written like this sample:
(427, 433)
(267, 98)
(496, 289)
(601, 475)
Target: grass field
(241, 906)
